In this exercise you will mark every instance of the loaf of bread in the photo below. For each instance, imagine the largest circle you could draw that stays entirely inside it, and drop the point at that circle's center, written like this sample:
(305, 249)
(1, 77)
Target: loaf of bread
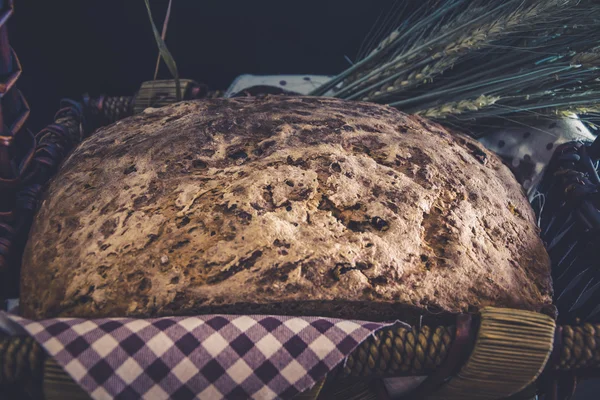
(281, 205)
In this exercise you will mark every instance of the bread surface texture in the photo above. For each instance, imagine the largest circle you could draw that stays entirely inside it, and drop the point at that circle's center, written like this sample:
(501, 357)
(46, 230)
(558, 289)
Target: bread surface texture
(281, 205)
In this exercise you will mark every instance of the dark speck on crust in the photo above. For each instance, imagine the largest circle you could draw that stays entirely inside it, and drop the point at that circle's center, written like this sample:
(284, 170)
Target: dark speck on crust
(379, 224)
(129, 170)
(243, 264)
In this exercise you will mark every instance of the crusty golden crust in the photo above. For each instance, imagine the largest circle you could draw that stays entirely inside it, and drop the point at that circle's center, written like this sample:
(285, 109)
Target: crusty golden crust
(301, 205)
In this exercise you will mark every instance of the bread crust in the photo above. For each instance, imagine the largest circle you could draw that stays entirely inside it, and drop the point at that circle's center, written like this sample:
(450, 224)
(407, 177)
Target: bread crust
(308, 206)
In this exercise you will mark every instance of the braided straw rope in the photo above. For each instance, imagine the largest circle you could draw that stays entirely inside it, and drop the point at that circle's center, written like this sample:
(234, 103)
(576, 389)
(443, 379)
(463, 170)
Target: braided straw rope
(401, 351)
(118, 107)
(580, 347)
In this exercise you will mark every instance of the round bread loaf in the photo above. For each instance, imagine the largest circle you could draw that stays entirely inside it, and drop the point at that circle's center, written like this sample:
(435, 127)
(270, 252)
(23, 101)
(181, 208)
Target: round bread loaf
(281, 205)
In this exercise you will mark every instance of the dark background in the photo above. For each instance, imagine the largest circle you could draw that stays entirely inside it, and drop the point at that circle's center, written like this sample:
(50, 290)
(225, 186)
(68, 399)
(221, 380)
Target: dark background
(70, 47)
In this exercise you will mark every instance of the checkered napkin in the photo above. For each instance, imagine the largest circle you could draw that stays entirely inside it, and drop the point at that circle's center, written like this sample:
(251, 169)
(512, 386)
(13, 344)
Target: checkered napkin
(204, 357)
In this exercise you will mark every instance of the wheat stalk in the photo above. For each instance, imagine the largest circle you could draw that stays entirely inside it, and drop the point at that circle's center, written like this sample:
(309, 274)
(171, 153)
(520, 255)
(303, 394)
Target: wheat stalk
(588, 59)
(164, 52)
(163, 37)
(588, 109)
(458, 107)
(378, 56)
(415, 78)
(487, 61)
(391, 78)
(400, 48)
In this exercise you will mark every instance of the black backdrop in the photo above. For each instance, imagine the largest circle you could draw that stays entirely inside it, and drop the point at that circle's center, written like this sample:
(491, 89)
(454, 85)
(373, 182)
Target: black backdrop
(69, 47)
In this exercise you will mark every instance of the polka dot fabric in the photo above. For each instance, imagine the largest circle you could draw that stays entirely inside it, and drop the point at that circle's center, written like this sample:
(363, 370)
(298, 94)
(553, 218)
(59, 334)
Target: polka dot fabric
(527, 150)
(302, 84)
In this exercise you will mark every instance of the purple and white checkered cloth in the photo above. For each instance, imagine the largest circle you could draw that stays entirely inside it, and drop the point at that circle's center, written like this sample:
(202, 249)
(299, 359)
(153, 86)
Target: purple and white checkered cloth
(204, 357)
